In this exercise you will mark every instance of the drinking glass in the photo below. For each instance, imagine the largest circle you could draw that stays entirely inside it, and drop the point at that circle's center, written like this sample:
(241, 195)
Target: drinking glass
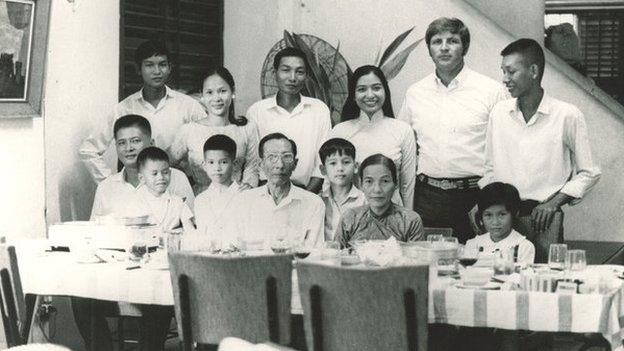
(557, 256)
(504, 262)
(302, 249)
(173, 241)
(331, 251)
(280, 243)
(435, 237)
(575, 260)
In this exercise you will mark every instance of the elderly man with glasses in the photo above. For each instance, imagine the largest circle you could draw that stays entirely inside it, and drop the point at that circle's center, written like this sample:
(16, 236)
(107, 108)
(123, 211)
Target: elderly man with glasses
(278, 210)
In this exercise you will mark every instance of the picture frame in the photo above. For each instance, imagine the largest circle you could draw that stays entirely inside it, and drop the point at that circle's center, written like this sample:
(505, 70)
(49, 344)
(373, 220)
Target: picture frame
(23, 44)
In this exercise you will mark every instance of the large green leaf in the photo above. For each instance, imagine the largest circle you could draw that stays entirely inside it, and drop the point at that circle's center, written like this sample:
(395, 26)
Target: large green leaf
(393, 46)
(394, 65)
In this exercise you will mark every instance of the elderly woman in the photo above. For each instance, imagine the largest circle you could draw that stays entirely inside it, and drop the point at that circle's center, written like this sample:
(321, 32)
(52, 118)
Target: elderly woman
(380, 219)
(368, 122)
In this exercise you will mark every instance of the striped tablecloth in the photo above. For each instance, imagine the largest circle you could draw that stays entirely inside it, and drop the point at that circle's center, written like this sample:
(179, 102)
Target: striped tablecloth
(519, 310)
(58, 274)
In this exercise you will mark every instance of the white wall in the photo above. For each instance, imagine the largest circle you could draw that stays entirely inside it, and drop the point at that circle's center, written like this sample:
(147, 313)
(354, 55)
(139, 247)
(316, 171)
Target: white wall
(82, 85)
(361, 25)
(22, 200)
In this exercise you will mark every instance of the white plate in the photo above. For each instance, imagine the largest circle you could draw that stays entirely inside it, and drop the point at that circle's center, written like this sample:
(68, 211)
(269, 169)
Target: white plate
(488, 286)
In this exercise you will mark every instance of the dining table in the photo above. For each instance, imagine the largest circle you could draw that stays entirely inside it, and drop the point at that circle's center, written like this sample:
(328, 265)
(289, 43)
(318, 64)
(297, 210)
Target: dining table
(45, 273)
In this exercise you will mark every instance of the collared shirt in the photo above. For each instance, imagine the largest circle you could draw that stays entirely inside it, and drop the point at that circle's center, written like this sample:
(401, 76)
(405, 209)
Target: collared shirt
(172, 112)
(526, 249)
(299, 216)
(361, 223)
(189, 145)
(167, 211)
(334, 209)
(388, 136)
(212, 207)
(548, 154)
(450, 122)
(114, 194)
(307, 125)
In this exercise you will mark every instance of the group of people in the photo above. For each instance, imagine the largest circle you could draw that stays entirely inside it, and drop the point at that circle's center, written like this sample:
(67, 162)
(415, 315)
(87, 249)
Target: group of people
(463, 152)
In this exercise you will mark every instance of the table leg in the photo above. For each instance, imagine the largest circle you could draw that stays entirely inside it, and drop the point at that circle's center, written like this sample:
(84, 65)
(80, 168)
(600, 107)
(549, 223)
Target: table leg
(92, 331)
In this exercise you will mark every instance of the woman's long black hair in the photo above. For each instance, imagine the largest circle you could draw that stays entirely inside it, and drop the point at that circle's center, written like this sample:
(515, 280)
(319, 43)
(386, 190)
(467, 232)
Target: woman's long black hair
(350, 110)
(229, 79)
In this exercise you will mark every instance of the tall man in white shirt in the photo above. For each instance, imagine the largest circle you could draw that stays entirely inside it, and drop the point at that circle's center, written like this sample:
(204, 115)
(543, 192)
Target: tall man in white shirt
(304, 119)
(166, 109)
(277, 209)
(540, 145)
(448, 111)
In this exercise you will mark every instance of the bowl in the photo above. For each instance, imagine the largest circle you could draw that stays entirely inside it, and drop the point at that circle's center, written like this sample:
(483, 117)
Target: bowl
(476, 276)
(136, 220)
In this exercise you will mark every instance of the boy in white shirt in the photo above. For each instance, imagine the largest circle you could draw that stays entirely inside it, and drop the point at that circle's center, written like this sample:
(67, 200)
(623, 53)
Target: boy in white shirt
(212, 205)
(339, 166)
(498, 204)
(166, 210)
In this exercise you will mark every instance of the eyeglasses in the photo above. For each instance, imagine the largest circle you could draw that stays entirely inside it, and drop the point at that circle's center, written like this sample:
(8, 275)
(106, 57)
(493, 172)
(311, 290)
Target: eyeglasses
(286, 158)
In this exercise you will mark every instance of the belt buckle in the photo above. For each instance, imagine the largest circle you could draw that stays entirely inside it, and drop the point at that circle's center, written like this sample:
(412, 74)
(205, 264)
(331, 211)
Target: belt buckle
(446, 184)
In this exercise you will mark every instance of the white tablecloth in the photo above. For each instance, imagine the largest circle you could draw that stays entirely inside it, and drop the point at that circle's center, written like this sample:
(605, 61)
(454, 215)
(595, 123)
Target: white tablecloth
(59, 274)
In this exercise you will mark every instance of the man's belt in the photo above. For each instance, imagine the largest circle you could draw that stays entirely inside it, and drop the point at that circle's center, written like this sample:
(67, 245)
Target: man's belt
(450, 183)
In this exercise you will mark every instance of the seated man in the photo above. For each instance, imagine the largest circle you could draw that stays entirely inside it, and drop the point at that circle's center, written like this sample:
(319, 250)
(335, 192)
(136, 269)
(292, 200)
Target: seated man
(380, 218)
(277, 209)
(540, 145)
(132, 134)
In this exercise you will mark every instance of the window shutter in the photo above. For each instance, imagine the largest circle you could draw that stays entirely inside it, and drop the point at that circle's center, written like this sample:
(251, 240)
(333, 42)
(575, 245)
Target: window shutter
(192, 30)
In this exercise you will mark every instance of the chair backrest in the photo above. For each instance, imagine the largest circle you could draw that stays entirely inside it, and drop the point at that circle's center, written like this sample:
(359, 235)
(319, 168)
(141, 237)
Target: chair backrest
(359, 308)
(443, 231)
(12, 305)
(220, 296)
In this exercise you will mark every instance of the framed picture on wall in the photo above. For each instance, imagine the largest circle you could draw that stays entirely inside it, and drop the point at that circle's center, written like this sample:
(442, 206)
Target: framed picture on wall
(23, 39)
(16, 29)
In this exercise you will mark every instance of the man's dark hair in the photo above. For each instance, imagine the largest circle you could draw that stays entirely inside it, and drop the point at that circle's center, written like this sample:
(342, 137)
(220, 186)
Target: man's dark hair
(531, 52)
(132, 121)
(148, 49)
(379, 159)
(451, 25)
(275, 136)
(498, 193)
(336, 145)
(290, 52)
(151, 153)
(223, 143)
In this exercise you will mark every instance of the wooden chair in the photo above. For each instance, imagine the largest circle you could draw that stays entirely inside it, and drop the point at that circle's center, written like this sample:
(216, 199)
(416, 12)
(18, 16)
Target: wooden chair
(12, 303)
(359, 308)
(443, 231)
(220, 296)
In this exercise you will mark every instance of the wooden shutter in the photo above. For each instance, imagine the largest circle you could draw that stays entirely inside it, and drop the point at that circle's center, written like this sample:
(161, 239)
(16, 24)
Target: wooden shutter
(192, 30)
(602, 48)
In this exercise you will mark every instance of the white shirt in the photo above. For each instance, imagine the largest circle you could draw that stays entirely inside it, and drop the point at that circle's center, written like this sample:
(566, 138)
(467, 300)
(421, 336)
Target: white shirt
(167, 211)
(334, 209)
(172, 112)
(114, 194)
(307, 125)
(257, 216)
(526, 249)
(550, 153)
(450, 122)
(388, 136)
(212, 207)
(189, 145)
